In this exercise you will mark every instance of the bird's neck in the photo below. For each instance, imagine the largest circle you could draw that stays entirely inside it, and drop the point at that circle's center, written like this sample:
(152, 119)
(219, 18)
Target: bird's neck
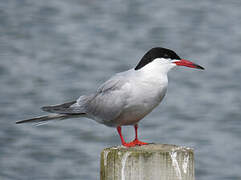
(155, 72)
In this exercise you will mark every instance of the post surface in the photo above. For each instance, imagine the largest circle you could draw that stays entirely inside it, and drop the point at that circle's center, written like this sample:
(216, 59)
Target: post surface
(149, 162)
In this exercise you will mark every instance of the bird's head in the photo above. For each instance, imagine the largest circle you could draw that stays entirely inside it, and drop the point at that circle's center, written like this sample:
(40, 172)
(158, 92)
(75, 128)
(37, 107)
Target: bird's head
(165, 59)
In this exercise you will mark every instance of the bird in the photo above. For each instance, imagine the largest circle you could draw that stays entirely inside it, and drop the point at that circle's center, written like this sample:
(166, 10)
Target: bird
(125, 98)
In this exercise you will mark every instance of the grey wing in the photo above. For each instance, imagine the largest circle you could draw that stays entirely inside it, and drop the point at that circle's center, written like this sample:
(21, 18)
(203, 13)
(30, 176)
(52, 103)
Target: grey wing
(104, 106)
(114, 83)
(109, 100)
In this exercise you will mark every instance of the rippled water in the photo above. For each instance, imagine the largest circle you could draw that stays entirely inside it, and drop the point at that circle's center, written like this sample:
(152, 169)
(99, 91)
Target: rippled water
(54, 51)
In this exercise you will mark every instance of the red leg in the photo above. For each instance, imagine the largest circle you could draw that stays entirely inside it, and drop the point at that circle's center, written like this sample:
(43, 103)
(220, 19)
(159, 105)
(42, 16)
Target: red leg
(136, 141)
(136, 128)
(120, 134)
(131, 144)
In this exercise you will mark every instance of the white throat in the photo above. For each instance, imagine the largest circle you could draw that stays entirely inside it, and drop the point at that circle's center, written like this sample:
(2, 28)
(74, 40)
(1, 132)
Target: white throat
(158, 66)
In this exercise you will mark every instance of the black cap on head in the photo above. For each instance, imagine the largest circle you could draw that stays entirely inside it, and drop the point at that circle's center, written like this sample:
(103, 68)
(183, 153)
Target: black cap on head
(154, 53)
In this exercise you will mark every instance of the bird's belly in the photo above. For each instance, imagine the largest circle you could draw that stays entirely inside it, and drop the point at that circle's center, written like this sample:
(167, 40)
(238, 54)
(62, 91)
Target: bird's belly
(132, 116)
(139, 106)
(134, 113)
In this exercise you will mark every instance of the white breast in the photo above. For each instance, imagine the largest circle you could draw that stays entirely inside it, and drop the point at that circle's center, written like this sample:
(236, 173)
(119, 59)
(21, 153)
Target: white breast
(146, 92)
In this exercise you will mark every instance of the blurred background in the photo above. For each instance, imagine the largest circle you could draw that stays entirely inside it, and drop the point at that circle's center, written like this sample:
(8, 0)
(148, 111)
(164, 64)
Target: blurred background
(54, 51)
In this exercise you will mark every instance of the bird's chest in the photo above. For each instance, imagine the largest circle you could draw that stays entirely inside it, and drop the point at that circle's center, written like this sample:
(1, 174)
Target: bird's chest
(143, 98)
(148, 92)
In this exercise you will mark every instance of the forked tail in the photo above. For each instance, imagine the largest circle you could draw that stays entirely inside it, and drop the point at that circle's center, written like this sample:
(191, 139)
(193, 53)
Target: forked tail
(61, 111)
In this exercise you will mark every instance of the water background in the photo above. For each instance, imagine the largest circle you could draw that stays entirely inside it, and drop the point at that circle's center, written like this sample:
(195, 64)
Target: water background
(54, 51)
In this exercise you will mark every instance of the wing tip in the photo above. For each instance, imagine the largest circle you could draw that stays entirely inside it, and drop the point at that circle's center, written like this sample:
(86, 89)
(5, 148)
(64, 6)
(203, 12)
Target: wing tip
(59, 107)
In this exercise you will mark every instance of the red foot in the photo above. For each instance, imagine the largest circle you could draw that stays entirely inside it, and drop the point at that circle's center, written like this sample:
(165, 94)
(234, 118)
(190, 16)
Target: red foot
(139, 143)
(136, 142)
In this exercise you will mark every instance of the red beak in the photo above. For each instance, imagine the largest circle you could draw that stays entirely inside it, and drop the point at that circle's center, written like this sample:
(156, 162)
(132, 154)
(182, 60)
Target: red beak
(184, 62)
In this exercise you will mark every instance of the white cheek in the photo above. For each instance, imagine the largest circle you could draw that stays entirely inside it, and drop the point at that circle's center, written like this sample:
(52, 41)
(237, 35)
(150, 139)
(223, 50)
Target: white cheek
(161, 64)
(158, 66)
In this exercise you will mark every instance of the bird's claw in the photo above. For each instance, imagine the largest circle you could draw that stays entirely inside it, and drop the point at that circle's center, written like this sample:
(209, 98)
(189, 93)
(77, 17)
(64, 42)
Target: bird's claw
(134, 143)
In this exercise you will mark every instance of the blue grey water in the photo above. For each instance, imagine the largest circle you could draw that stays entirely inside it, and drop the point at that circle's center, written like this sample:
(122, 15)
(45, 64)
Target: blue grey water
(54, 51)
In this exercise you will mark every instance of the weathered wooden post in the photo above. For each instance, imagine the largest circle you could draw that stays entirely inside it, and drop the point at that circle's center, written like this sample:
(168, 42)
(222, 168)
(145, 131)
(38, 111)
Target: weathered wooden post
(148, 162)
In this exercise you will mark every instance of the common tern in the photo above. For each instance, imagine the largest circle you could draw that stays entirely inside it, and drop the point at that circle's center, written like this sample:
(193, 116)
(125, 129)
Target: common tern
(126, 97)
